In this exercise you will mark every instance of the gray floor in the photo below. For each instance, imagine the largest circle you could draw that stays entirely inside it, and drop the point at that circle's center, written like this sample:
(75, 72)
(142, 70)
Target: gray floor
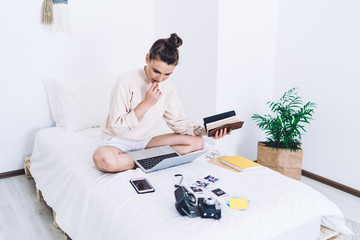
(24, 217)
(355, 227)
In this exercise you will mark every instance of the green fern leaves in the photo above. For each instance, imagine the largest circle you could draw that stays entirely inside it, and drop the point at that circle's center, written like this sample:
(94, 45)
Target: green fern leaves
(283, 129)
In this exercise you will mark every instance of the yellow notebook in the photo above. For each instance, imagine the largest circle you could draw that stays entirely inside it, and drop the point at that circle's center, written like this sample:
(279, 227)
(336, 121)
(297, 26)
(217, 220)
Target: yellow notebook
(240, 163)
(238, 203)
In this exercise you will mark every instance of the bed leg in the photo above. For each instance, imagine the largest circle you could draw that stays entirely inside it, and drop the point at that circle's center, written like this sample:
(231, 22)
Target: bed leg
(54, 221)
(27, 164)
(329, 234)
(57, 226)
(39, 194)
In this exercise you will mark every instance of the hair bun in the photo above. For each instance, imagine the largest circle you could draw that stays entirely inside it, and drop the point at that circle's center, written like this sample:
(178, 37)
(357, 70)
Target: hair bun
(174, 41)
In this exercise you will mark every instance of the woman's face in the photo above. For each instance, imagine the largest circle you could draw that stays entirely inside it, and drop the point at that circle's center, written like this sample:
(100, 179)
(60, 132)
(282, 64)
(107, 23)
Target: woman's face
(158, 71)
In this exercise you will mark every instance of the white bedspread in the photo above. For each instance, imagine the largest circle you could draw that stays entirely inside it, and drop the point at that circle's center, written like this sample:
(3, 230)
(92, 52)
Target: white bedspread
(90, 204)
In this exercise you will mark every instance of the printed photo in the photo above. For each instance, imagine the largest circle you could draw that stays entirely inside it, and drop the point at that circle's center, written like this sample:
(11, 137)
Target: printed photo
(218, 192)
(201, 184)
(211, 179)
(196, 189)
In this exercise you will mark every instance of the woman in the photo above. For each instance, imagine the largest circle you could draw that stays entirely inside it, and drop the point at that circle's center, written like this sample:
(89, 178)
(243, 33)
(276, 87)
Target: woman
(139, 100)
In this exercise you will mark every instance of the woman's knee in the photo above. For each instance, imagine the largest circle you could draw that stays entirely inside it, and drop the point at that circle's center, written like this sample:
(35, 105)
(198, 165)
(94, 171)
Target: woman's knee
(198, 143)
(105, 160)
(109, 160)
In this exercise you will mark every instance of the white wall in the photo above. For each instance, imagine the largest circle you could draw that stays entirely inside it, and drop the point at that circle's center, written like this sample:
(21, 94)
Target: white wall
(246, 60)
(195, 76)
(108, 37)
(236, 55)
(318, 50)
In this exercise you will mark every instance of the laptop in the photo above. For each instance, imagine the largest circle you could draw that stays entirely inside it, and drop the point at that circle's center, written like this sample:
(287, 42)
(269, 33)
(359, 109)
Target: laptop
(154, 159)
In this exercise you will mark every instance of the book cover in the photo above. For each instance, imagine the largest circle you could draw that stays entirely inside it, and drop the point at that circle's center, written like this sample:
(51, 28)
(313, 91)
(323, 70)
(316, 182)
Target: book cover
(219, 116)
(240, 163)
(229, 126)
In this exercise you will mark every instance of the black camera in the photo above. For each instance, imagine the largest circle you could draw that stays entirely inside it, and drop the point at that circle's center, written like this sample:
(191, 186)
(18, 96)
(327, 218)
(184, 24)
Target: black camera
(186, 204)
(209, 208)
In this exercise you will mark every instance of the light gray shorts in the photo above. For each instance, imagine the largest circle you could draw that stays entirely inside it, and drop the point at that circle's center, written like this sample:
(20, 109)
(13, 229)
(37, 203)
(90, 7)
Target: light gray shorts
(125, 145)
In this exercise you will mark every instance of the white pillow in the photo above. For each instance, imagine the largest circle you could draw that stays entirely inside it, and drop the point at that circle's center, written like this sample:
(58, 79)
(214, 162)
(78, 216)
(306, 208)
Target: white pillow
(79, 103)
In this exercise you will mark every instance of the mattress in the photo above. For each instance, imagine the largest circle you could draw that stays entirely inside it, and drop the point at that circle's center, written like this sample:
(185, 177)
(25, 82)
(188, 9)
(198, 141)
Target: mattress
(91, 204)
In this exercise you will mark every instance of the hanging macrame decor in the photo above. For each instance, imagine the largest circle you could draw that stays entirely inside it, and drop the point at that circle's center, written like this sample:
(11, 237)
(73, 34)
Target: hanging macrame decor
(55, 15)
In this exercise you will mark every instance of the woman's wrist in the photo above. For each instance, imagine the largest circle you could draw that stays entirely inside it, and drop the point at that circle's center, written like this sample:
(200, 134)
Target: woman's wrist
(199, 131)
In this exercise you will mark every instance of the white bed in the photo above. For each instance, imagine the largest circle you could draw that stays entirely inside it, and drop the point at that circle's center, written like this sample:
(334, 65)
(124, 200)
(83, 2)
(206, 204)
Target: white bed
(90, 204)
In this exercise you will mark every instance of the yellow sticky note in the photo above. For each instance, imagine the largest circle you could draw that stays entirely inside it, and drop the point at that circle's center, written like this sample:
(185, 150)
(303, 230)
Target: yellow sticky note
(238, 203)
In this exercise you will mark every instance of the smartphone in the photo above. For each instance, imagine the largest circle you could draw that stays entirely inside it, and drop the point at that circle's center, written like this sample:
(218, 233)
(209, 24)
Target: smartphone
(141, 185)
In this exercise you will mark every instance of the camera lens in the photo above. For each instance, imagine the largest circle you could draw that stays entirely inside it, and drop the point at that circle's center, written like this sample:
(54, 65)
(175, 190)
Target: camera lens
(209, 201)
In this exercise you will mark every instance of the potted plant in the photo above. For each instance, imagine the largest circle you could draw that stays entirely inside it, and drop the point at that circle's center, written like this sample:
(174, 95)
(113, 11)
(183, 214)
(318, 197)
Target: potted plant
(282, 150)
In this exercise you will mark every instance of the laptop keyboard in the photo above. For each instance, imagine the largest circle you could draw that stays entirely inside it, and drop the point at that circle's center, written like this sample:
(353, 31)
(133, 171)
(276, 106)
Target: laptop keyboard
(148, 163)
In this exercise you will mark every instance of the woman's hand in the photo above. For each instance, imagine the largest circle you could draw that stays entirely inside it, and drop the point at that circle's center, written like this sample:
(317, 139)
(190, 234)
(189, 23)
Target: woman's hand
(152, 95)
(221, 133)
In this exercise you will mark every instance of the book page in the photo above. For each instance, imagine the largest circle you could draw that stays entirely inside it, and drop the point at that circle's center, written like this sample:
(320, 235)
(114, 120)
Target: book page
(222, 122)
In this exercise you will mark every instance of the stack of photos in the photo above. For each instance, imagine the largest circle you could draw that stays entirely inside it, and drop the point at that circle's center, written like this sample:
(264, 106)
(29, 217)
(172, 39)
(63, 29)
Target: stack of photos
(208, 182)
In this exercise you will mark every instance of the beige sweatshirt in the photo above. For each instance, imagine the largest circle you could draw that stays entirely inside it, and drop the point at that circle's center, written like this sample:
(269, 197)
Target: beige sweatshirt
(128, 93)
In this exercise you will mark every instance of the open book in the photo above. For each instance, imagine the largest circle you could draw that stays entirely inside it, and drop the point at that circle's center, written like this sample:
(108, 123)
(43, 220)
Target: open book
(227, 120)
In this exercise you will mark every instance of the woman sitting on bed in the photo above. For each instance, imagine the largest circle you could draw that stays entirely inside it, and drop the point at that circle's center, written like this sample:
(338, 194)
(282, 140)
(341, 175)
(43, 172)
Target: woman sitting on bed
(139, 100)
